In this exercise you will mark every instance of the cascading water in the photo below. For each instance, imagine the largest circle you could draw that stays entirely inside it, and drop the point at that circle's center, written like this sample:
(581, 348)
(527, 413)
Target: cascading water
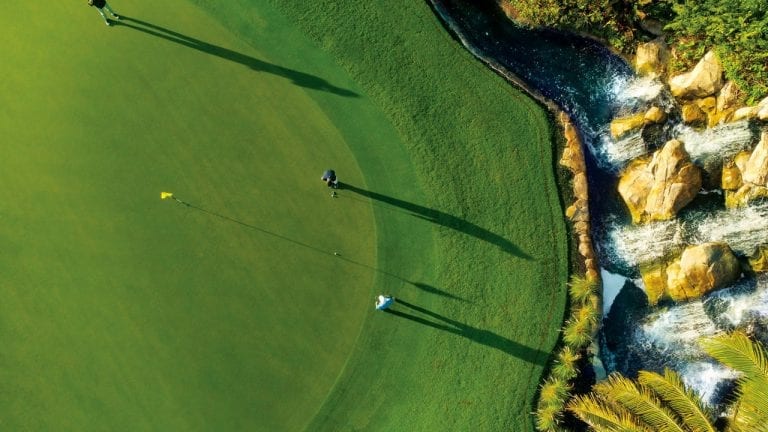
(631, 246)
(593, 86)
(614, 154)
(712, 146)
(744, 229)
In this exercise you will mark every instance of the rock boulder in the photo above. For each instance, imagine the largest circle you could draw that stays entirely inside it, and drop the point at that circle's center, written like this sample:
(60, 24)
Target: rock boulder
(654, 115)
(704, 80)
(651, 58)
(752, 172)
(728, 97)
(622, 125)
(692, 114)
(658, 188)
(700, 270)
(697, 271)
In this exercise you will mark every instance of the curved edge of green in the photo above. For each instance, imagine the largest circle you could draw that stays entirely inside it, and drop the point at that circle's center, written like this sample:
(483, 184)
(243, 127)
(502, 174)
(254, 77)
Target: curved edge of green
(380, 412)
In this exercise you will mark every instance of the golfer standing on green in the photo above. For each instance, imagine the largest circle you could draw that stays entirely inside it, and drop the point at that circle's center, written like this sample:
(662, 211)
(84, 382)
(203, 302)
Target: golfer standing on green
(100, 5)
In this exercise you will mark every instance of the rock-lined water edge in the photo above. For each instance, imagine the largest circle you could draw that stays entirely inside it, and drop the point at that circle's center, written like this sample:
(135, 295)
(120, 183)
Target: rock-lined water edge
(678, 179)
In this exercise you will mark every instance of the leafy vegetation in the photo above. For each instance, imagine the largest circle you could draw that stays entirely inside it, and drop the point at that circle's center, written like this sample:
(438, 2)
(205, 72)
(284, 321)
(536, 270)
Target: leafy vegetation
(738, 352)
(656, 402)
(736, 29)
(653, 403)
(577, 335)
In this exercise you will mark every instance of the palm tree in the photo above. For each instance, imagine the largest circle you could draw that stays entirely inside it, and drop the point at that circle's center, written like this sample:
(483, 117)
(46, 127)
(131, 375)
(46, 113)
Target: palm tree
(663, 403)
(739, 352)
(659, 403)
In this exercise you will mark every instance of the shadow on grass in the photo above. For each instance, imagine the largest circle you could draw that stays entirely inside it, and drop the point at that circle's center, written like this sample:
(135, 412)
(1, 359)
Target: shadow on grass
(336, 255)
(299, 78)
(482, 337)
(444, 219)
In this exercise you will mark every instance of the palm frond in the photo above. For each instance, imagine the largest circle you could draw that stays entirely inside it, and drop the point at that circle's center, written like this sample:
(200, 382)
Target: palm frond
(739, 352)
(640, 402)
(604, 416)
(683, 401)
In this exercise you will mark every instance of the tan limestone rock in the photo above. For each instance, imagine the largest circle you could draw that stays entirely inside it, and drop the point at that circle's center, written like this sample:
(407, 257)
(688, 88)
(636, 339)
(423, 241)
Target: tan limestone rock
(589, 263)
(744, 195)
(728, 96)
(658, 188)
(705, 79)
(655, 282)
(581, 227)
(651, 58)
(654, 115)
(622, 125)
(580, 189)
(758, 262)
(756, 169)
(745, 113)
(762, 114)
(731, 177)
(707, 104)
(718, 117)
(585, 250)
(700, 270)
(692, 114)
(741, 159)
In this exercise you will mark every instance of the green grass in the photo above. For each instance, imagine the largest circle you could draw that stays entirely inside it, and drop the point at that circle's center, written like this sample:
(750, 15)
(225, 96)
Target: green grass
(481, 151)
(124, 312)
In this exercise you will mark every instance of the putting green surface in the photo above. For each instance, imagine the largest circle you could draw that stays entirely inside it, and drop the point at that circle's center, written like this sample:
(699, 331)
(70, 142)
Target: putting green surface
(124, 312)
(251, 307)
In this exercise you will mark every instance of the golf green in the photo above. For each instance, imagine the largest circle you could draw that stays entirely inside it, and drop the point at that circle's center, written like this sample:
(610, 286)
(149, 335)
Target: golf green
(121, 311)
(248, 303)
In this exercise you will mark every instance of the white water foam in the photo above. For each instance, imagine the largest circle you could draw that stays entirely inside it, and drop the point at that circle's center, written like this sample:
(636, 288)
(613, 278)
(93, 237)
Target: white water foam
(704, 378)
(638, 244)
(714, 145)
(743, 228)
(741, 308)
(676, 329)
(629, 89)
(615, 154)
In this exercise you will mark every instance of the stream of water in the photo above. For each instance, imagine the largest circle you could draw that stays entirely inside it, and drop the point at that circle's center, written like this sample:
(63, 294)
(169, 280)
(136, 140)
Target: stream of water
(593, 86)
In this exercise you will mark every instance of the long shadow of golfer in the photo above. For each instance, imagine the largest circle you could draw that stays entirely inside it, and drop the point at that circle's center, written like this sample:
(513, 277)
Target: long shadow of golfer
(444, 219)
(436, 291)
(483, 337)
(299, 78)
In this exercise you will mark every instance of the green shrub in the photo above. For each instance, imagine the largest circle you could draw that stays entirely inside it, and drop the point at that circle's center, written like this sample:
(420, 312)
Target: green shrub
(581, 289)
(565, 364)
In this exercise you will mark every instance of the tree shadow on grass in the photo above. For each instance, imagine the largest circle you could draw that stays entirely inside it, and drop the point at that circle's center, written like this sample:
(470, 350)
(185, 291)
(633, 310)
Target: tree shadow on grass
(444, 219)
(299, 78)
(483, 337)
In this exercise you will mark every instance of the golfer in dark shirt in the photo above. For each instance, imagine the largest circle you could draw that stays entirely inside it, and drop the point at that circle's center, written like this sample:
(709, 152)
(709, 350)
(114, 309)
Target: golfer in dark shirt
(100, 5)
(329, 177)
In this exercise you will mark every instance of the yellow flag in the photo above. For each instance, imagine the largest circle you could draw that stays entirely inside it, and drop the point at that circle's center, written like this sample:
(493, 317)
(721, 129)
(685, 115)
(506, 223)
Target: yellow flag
(164, 195)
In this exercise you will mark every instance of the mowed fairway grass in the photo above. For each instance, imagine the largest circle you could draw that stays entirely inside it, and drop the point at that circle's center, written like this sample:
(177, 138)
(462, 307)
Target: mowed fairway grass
(120, 311)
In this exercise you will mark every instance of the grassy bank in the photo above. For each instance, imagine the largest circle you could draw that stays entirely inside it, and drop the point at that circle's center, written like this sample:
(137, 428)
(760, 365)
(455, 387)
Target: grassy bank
(470, 355)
